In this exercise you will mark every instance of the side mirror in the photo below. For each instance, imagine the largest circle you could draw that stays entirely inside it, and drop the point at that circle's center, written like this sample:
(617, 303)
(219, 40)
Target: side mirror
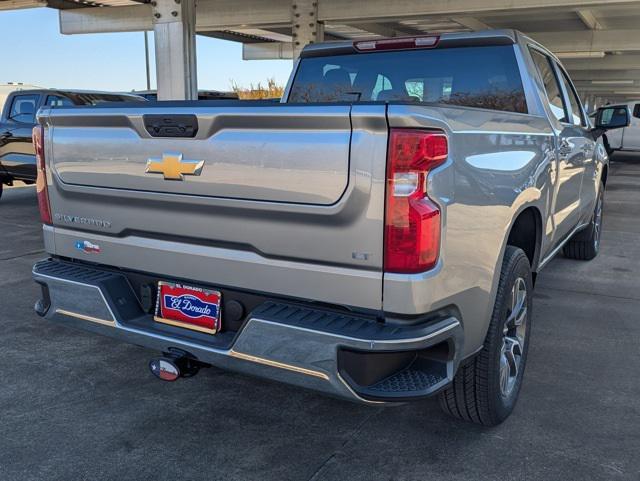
(611, 117)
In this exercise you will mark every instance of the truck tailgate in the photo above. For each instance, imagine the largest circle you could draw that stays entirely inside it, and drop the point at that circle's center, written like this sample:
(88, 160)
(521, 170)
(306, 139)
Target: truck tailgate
(283, 189)
(278, 154)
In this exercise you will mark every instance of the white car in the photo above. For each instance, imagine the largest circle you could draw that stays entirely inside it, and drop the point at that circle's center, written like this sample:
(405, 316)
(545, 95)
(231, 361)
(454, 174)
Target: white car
(628, 138)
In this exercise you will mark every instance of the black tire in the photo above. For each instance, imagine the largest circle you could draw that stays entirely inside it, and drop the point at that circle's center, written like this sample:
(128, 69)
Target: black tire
(1, 188)
(477, 393)
(585, 245)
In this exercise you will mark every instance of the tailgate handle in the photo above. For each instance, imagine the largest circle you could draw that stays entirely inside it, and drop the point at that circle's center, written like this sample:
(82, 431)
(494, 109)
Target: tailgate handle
(159, 125)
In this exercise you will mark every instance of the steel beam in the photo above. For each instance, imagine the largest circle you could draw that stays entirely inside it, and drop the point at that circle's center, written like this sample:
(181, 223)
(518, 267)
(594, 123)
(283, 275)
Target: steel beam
(103, 20)
(267, 51)
(226, 14)
(610, 62)
(345, 11)
(381, 29)
(589, 41)
(589, 19)
(304, 25)
(471, 23)
(265, 34)
(619, 90)
(211, 15)
(175, 45)
(588, 87)
(386, 29)
(602, 75)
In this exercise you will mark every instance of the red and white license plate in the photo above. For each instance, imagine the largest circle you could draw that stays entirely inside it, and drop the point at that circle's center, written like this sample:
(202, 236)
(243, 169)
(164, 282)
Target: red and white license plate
(189, 307)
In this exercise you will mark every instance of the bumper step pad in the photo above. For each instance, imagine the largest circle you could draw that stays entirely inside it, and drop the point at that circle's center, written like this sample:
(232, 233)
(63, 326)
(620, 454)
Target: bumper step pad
(340, 324)
(94, 286)
(407, 381)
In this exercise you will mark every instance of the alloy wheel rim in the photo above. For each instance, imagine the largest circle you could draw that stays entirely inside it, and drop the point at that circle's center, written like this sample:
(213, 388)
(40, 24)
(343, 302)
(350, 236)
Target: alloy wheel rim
(597, 222)
(513, 336)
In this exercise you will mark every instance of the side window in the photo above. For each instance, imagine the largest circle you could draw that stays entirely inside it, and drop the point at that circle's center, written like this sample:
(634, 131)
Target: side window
(576, 111)
(551, 85)
(636, 111)
(56, 101)
(23, 108)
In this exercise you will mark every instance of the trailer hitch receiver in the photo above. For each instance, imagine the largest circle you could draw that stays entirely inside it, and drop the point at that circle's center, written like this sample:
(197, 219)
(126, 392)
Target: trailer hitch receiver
(174, 364)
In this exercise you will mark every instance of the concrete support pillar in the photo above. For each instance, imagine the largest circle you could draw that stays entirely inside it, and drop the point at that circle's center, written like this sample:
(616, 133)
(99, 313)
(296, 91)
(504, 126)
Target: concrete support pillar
(175, 45)
(305, 26)
(587, 101)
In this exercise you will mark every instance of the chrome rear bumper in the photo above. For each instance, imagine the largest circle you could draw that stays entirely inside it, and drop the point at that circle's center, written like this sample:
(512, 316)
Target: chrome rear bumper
(303, 346)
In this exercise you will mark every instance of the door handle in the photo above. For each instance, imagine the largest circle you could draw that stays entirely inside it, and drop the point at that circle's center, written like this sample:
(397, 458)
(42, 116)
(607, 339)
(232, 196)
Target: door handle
(185, 125)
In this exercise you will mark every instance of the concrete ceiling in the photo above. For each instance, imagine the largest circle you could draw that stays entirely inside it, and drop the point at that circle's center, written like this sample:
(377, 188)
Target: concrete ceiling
(607, 31)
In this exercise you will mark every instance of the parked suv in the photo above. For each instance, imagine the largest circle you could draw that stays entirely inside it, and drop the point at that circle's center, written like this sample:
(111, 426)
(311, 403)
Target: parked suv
(375, 236)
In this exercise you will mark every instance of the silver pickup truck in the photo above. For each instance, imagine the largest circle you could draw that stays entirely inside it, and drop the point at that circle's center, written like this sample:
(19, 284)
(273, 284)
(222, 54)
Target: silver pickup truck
(374, 236)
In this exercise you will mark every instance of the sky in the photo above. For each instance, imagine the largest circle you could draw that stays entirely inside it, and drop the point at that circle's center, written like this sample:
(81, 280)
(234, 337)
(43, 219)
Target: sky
(35, 52)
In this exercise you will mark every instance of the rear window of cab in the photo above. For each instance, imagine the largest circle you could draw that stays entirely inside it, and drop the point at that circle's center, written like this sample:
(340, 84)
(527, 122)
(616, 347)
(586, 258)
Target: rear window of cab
(484, 77)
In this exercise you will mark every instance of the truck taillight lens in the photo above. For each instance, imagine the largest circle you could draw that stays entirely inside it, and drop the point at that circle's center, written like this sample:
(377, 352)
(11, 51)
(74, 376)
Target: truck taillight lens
(41, 180)
(412, 220)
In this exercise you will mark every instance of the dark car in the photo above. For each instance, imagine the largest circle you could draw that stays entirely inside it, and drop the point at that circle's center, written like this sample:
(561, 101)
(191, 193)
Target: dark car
(152, 95)
(17, 155)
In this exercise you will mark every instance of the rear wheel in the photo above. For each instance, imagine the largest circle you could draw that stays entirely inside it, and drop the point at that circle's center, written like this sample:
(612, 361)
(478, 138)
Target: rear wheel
(585, 244)
(1, 188)
(486, 387)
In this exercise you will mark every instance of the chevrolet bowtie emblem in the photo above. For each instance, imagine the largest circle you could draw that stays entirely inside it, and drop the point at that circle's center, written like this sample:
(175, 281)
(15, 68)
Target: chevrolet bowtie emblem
(173, 167)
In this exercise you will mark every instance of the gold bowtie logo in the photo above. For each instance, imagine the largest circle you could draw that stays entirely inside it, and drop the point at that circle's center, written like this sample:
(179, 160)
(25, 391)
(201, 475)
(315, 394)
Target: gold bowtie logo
(173, 167)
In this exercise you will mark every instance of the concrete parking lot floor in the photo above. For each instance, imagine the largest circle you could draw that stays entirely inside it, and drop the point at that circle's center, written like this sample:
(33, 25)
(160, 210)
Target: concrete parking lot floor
(75, 406)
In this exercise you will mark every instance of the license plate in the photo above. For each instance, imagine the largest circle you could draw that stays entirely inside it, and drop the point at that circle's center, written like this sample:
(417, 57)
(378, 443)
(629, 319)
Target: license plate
(189, 307)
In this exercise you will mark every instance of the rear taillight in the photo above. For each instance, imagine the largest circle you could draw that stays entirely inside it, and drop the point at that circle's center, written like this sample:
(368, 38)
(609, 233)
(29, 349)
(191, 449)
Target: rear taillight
(398, 43)
(41, 180)
(412, 222)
